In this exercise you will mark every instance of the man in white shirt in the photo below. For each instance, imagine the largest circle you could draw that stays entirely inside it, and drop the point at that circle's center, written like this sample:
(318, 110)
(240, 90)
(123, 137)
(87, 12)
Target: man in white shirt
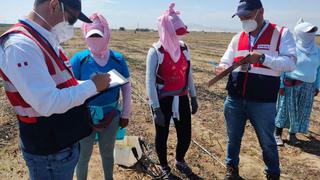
(49, 102)
(253, 87)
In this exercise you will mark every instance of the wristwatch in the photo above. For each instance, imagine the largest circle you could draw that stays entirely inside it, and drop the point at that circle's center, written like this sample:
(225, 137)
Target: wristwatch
(262, 58)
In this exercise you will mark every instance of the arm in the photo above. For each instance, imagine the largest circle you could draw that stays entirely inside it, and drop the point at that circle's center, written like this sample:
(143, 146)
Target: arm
(35, 84)
(287, 59)
(152, 59)
(126, 98)
(228, 57)
(191, 86)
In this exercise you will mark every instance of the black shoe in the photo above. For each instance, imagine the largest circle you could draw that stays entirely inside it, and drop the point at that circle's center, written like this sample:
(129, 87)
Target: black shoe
(184, 168)
(293, 140)
(232, 173)
(167, 174)
(273, 176)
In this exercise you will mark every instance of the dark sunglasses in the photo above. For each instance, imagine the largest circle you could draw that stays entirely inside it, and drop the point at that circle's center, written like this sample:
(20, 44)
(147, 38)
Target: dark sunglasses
(72, 19)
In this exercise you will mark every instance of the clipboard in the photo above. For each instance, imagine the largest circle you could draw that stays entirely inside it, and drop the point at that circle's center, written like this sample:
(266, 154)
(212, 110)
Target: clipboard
(116, 79)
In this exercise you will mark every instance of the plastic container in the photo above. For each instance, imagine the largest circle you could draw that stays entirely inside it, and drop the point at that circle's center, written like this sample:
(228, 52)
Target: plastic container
(121, 133)
(123, 154)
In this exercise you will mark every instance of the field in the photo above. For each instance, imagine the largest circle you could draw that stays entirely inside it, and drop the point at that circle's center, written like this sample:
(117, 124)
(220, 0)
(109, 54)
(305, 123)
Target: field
(297, 162)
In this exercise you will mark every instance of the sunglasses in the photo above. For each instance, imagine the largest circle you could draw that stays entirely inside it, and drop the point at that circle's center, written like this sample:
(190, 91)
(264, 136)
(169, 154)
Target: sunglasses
(72, 17)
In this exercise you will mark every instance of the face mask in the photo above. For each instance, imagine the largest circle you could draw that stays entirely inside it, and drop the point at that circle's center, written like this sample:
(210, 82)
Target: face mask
(63, 30)
(97, 46)
(250, 24)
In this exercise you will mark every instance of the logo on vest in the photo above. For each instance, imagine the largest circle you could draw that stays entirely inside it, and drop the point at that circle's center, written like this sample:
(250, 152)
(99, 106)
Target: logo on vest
(263, 46)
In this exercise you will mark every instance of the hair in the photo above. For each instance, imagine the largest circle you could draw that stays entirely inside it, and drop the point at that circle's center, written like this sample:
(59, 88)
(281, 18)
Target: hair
(38, 2)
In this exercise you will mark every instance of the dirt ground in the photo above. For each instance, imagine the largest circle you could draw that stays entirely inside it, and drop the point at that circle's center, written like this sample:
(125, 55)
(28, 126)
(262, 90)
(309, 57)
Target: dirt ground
(297, 162)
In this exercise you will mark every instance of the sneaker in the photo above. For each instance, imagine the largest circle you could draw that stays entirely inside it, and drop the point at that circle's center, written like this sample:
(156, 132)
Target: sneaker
(273, 176)
(279, 140)
(184, 168)
(232, 173)
(293, 140)
(167, 174)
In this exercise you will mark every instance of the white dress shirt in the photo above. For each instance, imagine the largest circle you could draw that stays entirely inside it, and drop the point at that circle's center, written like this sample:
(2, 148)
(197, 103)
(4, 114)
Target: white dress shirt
(286, 61)
(23, 63)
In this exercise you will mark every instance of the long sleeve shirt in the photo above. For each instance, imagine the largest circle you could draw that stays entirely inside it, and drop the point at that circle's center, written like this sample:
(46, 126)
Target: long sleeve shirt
(151, 73)
(33, 81)
(286, 61)
(308, 68)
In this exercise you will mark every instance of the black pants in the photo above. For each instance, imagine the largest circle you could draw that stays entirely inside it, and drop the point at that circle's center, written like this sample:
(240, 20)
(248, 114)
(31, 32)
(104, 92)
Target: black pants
(183, 129)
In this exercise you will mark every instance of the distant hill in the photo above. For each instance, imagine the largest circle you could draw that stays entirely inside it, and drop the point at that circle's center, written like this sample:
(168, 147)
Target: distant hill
(5, 25)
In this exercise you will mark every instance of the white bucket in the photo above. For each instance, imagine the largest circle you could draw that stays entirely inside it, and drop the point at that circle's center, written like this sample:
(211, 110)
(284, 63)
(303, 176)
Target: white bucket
(123, 151)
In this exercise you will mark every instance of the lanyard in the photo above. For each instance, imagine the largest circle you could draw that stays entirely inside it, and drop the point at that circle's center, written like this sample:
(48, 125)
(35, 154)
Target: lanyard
(257, 38)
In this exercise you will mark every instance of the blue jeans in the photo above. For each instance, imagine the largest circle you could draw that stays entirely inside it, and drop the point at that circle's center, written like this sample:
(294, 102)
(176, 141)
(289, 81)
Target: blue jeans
(262, 118)
(106, 141)
(59, 166)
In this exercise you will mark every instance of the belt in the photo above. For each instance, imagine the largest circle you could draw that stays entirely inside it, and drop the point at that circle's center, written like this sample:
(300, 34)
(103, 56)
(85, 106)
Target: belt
(292, 82)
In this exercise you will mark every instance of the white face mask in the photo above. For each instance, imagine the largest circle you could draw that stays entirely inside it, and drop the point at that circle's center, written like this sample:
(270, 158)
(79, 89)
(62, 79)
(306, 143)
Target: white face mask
(250, 24)
(63, 30)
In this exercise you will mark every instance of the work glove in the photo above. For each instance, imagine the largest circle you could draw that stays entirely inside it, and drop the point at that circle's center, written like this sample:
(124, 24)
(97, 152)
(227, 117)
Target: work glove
(194, 105)
(158, 117)
(123, 122)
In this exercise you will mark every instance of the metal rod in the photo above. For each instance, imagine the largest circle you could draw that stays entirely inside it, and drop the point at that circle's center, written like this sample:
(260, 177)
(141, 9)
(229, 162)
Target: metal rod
(209, 153)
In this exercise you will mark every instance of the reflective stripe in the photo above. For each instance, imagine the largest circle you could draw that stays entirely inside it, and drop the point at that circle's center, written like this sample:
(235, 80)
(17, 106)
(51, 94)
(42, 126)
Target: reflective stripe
(30, 112)
(274, 39)
(241, 53)
(62, 77)
(8, 86)
(260, 70)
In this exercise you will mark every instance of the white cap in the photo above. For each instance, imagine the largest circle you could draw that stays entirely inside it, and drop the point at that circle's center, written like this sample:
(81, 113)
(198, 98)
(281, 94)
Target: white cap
(94, 31)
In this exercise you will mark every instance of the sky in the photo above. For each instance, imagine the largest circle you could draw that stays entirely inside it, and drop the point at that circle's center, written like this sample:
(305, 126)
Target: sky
(208, 15)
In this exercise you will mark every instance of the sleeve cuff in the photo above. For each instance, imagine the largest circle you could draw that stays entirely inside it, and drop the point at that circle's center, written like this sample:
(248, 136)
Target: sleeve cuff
(268, 61)
(89, 87)
(155, 105)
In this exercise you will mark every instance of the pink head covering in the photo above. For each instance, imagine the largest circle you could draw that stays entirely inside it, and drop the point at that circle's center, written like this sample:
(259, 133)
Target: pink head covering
(169, 27)
(98, 46)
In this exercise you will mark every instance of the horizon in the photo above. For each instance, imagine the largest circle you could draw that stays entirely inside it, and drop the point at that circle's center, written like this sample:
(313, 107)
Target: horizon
(202, 15)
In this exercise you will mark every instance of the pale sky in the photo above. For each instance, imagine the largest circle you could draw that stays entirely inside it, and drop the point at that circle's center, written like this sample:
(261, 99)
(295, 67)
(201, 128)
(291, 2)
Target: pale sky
(212, 15)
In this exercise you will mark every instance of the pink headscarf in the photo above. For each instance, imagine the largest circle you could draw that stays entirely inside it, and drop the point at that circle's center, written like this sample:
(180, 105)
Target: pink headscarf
(99, 47)
(169, 27)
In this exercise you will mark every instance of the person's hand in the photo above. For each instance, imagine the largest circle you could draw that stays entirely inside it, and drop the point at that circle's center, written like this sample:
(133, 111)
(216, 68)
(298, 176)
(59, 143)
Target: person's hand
(123, 122)
(219, 69)
(281, 91)
(194, 105)
(316, 92)
(253, 58)
(159, 118)
(102, 81)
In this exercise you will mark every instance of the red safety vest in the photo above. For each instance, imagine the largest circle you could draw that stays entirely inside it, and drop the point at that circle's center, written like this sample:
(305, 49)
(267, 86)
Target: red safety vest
(268, 44)
(259, 83)
(61, 75)
(172, 78)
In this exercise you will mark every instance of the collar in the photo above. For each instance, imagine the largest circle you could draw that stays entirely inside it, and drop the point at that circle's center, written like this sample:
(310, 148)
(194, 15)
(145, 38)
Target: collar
(253, 40)
(44, 32)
